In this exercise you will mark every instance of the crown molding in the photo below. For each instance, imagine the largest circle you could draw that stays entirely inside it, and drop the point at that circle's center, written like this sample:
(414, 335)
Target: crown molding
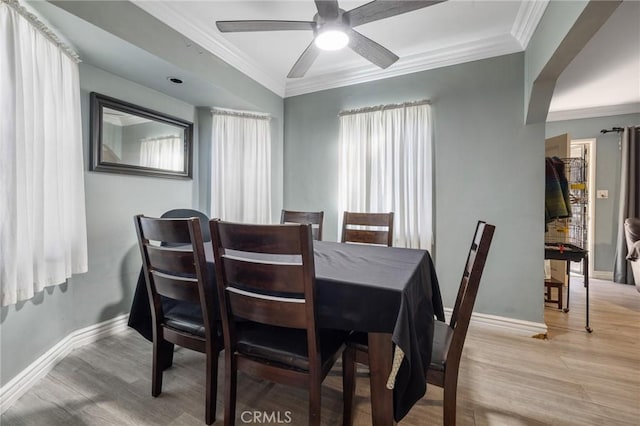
(600, 111)
(436, 58)
(171, 15)
(527, 20)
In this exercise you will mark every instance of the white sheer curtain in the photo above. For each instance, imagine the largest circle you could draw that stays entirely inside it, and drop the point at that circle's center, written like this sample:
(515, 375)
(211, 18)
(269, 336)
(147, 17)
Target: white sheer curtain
(42, 213)
(166, 152)
(241, 167)
(385, 164)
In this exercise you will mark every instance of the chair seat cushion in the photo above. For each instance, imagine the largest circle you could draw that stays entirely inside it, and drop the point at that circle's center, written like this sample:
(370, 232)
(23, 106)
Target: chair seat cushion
(285, 346)
(359, 341)
(185, 317)
(442, 335)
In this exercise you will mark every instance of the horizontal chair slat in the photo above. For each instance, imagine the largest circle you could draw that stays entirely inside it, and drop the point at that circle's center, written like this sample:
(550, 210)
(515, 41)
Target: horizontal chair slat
(265, 276)
(273, 240)
(184, 339)
(170, 259)
(372, 237)
(172, 231)
(263, 310)
(368, 219)
(178, 288)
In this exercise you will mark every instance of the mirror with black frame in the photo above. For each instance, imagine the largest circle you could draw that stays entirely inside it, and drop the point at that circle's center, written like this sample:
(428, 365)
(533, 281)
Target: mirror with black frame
(127, 138)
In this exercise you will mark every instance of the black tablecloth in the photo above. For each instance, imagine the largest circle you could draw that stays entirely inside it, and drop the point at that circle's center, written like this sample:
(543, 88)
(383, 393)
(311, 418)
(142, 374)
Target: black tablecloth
(362, 288)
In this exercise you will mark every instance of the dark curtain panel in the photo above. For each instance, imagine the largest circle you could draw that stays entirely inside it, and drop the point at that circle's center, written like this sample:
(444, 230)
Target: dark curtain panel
(629, 199)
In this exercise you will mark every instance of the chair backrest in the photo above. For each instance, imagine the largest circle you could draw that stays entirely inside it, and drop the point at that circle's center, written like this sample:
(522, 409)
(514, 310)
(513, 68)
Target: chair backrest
(265, 274)
(174, 265)
(184, 213)
(314, 218)
(371, 228)
(468, 290)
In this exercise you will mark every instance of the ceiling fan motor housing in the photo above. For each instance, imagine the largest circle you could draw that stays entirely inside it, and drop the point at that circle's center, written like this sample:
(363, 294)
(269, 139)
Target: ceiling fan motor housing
(339, 23)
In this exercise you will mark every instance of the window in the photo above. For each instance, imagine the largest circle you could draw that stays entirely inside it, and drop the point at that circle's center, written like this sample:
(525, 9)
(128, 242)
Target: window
(386, 165)
(43, 236)
(241, 167)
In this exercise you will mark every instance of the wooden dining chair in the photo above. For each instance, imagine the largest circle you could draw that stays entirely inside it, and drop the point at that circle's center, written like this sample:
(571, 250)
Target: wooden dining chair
(448, 339)
(370, 228)
(185, 213)
(314, 218)
(180, 274)
(268, 311)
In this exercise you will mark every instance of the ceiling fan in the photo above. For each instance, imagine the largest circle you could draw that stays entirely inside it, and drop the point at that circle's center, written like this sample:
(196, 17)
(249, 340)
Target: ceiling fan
(333, 29)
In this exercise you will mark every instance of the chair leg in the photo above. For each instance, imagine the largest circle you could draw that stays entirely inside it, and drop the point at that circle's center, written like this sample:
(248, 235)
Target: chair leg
(211, 386)
(162, 353)
(315, 383)
(348, 385)
(166, 355)
(560, 301)
(230, 385)
(449, 403)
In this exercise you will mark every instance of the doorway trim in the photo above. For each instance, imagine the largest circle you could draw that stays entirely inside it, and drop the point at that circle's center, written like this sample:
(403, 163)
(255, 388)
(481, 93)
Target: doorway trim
(591, 149)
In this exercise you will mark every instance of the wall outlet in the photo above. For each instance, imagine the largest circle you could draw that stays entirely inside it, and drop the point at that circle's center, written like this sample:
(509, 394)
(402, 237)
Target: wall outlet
(602, 193)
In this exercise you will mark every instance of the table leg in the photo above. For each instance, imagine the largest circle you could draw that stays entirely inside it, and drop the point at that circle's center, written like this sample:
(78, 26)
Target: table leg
(585, 266)
(380, 362)
(568, 284)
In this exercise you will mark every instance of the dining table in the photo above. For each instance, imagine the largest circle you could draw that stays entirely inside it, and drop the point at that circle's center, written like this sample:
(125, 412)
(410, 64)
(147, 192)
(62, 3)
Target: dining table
(388, 292)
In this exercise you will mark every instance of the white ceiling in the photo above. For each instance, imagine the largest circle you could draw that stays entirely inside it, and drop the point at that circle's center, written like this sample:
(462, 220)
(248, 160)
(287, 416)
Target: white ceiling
(604, 79)
(442, 34)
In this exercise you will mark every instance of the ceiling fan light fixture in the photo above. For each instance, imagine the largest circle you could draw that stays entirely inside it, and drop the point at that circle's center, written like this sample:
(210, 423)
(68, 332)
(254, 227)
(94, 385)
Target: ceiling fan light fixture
(331, 40)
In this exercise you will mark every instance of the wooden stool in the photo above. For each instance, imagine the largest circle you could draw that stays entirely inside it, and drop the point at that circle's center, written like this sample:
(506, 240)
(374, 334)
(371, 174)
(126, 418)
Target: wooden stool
(548, 285)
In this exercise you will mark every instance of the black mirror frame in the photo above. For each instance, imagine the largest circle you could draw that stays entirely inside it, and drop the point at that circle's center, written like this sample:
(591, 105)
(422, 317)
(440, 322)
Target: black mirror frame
(98, 102)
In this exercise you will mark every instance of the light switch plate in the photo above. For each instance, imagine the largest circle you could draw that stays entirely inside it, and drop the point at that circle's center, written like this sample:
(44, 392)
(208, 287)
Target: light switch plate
(602, 193)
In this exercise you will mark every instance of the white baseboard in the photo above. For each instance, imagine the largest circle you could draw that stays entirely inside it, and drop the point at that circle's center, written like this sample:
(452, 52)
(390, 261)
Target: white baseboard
(515, 326)
(21, 383)
(602, 275)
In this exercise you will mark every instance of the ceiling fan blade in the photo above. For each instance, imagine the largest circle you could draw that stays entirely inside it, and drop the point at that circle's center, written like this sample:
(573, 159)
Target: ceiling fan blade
(380, 9)
(247, 26)
(370, 50)
(304, 62)
(327, 9)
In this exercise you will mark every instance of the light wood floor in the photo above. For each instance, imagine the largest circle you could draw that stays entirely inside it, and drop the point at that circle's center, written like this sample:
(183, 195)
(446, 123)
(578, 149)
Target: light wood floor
(573, 378)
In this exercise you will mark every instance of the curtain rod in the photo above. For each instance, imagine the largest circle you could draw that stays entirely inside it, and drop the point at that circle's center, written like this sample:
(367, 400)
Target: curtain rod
(244, 114)
(617, 129)
(33, 19)
(383, 107)
(613, 129)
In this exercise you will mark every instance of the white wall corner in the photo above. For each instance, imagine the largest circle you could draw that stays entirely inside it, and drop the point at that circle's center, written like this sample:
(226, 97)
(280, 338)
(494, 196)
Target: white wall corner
(527, 20)
(21, 383)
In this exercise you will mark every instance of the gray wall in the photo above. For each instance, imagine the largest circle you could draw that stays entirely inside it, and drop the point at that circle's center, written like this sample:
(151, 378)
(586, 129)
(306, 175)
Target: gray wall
(111, 200)
(488, 165)
(558, 19)
(607, 177)
(146, 51)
